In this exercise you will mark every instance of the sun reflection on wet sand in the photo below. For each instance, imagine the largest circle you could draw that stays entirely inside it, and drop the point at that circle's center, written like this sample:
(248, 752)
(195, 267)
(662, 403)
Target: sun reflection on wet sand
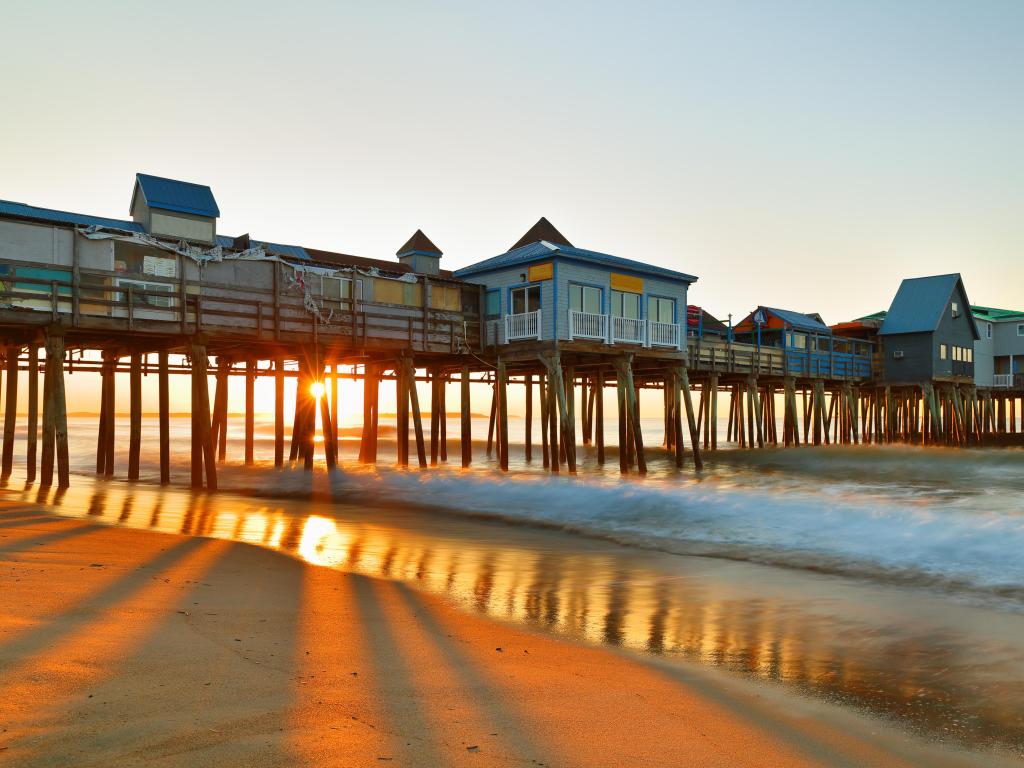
(949, 669)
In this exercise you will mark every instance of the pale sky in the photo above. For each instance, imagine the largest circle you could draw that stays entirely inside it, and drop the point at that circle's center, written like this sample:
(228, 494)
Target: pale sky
(799, 154)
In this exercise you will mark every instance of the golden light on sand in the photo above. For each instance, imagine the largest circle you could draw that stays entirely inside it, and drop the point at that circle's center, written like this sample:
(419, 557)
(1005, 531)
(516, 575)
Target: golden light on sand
(317, 389)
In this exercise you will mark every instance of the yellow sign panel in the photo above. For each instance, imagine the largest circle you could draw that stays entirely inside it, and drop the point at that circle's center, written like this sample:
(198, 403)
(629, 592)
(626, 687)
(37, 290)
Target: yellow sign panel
(627, 283)
(542, 272)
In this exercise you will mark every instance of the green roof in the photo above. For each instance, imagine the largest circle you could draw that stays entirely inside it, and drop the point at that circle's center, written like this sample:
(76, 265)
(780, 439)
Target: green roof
(876, 316)
(991, 313)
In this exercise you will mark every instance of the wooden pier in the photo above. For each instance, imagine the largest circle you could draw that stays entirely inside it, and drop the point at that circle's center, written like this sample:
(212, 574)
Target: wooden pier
(168, 309)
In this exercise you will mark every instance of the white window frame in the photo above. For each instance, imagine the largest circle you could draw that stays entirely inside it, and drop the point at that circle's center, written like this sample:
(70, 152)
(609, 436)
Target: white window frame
(527, 290)
(943, 352)
(656, 301)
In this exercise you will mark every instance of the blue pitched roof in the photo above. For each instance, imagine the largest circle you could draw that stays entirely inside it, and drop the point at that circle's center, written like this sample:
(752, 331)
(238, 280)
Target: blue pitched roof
(798, 320)
(920, 302)
(172, 195)
(11, 208)
(544, 249)
(795, 320)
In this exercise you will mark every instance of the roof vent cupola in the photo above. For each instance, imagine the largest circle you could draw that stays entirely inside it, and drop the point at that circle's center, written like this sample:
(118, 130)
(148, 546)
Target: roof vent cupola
(175, 209)
(420, 255)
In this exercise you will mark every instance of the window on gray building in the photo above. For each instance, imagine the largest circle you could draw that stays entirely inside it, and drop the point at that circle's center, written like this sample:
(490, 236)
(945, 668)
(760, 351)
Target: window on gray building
(942, 352)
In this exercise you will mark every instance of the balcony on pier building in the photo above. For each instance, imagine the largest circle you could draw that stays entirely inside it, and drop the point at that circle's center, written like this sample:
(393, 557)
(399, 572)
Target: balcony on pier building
(545, 289)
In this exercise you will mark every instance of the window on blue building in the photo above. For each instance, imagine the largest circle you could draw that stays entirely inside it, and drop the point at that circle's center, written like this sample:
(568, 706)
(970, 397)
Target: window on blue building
(661, 310)
(626, 304)
(492, 304)
(585, 298)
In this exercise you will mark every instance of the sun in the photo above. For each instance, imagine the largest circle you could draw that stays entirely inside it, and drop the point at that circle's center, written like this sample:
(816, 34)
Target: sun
(317, 389)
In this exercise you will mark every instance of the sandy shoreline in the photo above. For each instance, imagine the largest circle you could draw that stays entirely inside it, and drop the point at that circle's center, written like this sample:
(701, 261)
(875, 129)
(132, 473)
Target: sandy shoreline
(139, 648)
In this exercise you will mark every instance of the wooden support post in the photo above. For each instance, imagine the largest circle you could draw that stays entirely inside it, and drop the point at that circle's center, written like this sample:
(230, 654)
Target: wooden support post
(756, 413)
(599, 415)
(164, 416)
(502, 383)
(55, 423)
(620, 385)
(371, 448)
(33, 413)
(528, 418)
(553, 440)
(278, 412)
(10, 411)
(101, 441)
(335, 375)
(111, 425)
(673, 387)
(588, 435)
(50, 430)
(402, 418)
(633, 404)
(203, 455)
(298, 418)
(134, 415)
(466, 426)
(698, 460)
(492, 418)
(307, 400)
(327, 426)
(220, 409)
(417, 418)
(435, 415)
(566, 437)
(542, 387)
(442, 391)
(570, 404)
(713, 413)
(250, 411)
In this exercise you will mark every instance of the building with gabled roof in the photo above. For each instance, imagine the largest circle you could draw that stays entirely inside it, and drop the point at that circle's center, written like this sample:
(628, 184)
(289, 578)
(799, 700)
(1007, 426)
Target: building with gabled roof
(546, 289)
(928, 332)
(999, 351)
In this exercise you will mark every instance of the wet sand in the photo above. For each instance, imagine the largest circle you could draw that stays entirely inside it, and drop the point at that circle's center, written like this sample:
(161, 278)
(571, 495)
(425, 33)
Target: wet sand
(142, 648)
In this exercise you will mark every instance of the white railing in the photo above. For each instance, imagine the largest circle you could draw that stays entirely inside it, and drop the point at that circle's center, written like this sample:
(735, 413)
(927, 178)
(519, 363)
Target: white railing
(525, 325)
(1002, 380)
(587, 325)
(628, 330)
(663, 334)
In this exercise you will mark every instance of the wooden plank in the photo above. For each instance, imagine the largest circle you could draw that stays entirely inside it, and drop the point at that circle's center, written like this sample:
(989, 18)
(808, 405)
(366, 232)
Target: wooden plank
(165, 417)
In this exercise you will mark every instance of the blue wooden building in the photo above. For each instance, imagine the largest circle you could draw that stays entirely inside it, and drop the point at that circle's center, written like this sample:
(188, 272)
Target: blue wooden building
(808, 345)
(545, 289)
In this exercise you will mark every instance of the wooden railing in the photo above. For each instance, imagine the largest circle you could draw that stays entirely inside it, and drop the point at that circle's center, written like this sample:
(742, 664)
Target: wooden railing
(587, 325)
(733, 357)
(525, 325)
(102, 299)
